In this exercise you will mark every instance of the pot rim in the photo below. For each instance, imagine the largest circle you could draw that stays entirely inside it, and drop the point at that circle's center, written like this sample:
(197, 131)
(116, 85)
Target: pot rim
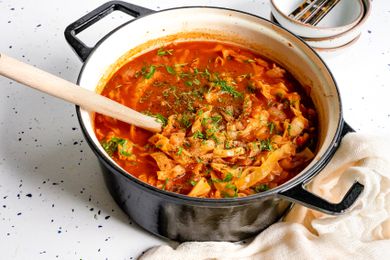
(297, 180)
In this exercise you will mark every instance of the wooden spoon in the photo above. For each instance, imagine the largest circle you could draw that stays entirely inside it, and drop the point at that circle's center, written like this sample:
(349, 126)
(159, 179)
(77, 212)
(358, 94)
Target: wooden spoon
(58, 87)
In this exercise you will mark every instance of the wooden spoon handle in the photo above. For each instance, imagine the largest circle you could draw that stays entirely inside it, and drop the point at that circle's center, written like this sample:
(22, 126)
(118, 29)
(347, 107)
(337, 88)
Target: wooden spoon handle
(58, 87)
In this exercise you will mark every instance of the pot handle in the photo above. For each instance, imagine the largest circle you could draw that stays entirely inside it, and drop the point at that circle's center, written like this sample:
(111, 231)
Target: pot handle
(92, 17)
(299, 194)
(302, 196)
(346, 129)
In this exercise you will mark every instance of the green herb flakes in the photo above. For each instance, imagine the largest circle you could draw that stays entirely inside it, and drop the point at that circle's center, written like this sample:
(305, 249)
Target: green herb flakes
(261, 187)
(162, 119)
(188, 83)
(271, 127)
(150, 73)
(198, 134)
(216, 119)
(229, 111)
(170, 70)
(159, 118)
(206, 74)
(185, 120)
(228, 177)
(226, 88)
(163, 52)
(196, 82)
(265, 145)
(111, 146)
(165, 183)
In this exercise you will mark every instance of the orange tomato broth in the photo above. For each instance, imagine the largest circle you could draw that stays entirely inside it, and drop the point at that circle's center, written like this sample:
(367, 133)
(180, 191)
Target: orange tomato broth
(175, 80)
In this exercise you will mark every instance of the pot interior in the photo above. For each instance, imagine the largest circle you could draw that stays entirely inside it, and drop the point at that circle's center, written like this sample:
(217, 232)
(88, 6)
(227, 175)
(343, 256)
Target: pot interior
(203, 23)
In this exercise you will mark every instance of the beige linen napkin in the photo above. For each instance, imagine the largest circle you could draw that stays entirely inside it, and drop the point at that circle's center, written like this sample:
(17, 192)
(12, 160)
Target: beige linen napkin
(361, 233)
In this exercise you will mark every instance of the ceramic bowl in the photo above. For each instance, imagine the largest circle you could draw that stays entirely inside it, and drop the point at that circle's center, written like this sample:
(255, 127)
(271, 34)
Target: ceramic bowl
(333, 52)
(340, 40)
(344, 16)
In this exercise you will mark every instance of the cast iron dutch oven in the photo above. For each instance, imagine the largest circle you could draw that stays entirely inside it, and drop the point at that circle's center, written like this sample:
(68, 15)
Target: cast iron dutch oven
(184, 218)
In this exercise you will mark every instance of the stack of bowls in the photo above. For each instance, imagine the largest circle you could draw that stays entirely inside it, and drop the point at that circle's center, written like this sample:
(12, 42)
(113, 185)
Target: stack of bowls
(340, 28)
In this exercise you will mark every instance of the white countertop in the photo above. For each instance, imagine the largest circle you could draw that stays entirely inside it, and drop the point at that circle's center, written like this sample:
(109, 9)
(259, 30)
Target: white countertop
(53, 201)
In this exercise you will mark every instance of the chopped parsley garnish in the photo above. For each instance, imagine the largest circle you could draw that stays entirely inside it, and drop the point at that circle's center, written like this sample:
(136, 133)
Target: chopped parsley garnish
(142, 72)
(170, 70)
(196, 82)
(207, 74)
(188, 83)
(215, 139)
(261, 187)
(216, 119)
(227, 145)
(228, 177)
(179, 150)
(271, 127)
(159, 118)
(123, 150)
(163, 52)
(230, 186)
(185, 120)
(111, 146)
(162, 119)
(216, 180)
(230, 191)
(198, 134)
(265, 145)
(165, 184)
(204, 121)
(229, 89)
(190, 107)
(229, 111)
(152, 70)
(225, 87)
(211, 131)
(173, 89)
(193, 183)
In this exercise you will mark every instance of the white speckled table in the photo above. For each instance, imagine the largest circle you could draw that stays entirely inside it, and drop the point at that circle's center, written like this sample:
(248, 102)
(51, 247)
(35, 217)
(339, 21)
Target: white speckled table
(53, 202)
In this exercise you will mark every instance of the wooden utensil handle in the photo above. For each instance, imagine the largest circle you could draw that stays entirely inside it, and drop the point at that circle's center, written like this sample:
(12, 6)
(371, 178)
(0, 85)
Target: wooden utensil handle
(58, 87)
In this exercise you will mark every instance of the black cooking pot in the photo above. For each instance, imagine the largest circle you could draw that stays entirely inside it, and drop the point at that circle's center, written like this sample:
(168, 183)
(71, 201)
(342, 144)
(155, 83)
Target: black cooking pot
(184, 218)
